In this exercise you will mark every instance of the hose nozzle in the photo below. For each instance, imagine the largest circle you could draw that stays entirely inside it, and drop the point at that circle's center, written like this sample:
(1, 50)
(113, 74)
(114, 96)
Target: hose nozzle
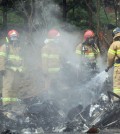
(107, 69)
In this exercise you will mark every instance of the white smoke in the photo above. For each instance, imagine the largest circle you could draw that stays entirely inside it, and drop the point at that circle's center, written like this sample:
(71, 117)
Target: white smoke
(48, 15)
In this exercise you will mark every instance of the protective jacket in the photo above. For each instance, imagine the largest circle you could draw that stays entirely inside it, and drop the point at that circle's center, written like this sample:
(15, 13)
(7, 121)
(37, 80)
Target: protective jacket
(10, 58)
(114, 59)
(51, 63)
(90, 53)
(50, 57)
(12, 63)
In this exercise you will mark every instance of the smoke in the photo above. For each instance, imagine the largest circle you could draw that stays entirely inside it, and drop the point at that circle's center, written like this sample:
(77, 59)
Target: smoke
(48, 15)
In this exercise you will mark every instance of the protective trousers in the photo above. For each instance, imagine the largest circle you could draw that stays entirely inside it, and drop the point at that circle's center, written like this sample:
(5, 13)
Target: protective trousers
(116, 80)
(11, 90)
(1, 81)
(52, 80)
(49, 79)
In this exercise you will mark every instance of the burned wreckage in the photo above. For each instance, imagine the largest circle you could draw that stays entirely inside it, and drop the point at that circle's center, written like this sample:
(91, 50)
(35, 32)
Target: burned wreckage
(45, 117)
(104, 114)
(41, 115)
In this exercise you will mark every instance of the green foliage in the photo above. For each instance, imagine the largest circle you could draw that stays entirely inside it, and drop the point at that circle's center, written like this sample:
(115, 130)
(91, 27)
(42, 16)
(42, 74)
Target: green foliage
(76, 10)
(110, 18)
(77, 17)
(103, 18)
(13, 18)
(1, 19)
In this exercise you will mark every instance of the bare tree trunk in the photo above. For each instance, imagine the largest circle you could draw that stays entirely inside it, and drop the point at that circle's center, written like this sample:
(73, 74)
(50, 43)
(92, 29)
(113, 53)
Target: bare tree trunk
(90, 13)
(98, 17)
(64, 9)
(98, 23)
(4, 18)
(28, 8)
(0, 1)
(118, 13)
(115, 8)
(73, 9)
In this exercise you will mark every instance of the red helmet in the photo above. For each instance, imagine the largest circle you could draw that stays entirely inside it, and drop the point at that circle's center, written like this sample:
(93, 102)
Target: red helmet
(13, 35)
(88, 33)
(53, 33)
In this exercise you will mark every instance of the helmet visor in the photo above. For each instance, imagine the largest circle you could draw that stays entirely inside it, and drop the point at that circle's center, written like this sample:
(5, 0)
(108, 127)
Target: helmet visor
(13, 38)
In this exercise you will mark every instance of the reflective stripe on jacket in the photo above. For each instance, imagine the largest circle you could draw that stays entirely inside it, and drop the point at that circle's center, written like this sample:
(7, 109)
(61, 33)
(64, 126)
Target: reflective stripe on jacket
(113, 54)
(10, 99)
(87, 51)
(50, 55)
(113, 59)
(10, 60)
(116, 90)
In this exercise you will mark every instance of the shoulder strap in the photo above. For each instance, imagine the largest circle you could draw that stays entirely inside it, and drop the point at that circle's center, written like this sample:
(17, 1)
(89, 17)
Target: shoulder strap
(94, 49)
(83, 48)
(7, 47)
(7, 50)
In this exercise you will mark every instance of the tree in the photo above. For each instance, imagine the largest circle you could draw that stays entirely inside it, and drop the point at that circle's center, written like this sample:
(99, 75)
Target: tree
(64, 9)
(5, 7)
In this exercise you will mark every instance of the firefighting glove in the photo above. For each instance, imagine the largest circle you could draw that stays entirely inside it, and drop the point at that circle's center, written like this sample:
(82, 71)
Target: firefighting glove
(2, 72)
(107, 69)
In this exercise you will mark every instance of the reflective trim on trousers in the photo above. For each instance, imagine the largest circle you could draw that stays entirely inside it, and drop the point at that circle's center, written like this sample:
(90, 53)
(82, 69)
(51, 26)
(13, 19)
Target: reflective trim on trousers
(3, 54)
(14, 57)
(53, 70)
(50, 56)
(10, 99)
(44, 55)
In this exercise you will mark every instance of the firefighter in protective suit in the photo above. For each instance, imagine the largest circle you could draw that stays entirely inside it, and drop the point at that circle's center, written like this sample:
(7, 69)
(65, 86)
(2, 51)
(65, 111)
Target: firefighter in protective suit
(114, 60)
(51, 63)
(11, 66)
(87, 53)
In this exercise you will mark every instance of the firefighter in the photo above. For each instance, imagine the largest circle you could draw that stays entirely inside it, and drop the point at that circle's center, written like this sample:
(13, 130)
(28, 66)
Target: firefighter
(87, 54)
(51, 57)
(88, 50)
(113, 59)
(11, 66)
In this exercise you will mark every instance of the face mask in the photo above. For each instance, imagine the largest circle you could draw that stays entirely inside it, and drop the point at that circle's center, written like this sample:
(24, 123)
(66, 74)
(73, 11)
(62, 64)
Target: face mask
(13, 38)
(90, 41)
